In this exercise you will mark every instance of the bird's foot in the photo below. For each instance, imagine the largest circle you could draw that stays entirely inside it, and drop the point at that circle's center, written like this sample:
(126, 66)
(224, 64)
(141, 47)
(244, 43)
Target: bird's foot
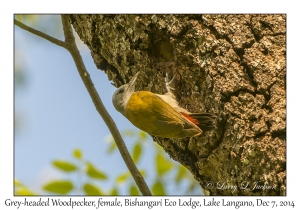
(169, 82)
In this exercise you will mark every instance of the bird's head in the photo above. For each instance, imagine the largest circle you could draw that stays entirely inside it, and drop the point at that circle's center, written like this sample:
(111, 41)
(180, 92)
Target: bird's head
(123, 94)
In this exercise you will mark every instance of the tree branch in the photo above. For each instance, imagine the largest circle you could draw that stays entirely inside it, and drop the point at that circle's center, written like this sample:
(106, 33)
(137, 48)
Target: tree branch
(70, 45)
(40, 34)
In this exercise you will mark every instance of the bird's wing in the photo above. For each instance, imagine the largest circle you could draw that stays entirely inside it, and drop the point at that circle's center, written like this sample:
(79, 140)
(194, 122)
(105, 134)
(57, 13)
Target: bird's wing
(161, 109)
(153, 115)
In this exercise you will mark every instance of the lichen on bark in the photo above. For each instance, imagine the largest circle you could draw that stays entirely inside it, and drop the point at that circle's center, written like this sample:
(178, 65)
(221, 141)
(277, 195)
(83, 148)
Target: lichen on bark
(233, 66)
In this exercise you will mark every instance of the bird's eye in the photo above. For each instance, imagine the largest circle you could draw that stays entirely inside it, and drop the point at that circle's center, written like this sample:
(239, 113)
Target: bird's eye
(121, 90)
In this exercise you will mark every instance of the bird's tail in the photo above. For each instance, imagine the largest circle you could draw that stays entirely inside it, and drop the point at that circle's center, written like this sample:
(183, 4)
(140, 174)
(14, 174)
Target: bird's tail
(205, 121)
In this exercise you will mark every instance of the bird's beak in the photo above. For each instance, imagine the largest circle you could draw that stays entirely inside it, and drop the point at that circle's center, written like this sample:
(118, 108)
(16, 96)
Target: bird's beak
(131, 84)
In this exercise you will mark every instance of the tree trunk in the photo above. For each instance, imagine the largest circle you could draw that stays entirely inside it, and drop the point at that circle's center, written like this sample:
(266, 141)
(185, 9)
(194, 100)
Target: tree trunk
(233, 66)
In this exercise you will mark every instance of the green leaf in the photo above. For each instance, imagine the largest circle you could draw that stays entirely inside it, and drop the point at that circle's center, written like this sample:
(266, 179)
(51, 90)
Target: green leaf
(127, 133)
(19, 17)
(181, 173)
(158, 189)
(23, 191)
(17, 183)
(134, 190)
(112, 147)
(59, 187)
(93, 172)
(143, 172)
(137, 151)
(114, 191)
(162, 164)
(192, 187)
(143, 135)
(64, 165)
(122, 177)
(20, 189)
(33, 19)
(77, 153)
(91, 189)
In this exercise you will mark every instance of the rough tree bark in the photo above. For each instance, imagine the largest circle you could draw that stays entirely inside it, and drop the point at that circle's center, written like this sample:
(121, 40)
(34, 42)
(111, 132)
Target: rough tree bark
(231, 65)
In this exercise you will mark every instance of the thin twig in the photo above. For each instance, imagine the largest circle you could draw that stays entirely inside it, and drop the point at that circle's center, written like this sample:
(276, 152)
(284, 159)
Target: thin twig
(70, 45)
(40, 34)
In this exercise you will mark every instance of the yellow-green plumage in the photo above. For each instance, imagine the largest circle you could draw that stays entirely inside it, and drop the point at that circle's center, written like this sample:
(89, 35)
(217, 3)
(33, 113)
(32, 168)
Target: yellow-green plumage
(159, 115)
(153, 115)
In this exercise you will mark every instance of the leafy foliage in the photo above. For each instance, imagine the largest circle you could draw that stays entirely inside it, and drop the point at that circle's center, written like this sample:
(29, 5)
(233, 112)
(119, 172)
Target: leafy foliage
(95, 173)
(114, 192)
(166, 173)
(21, 189)
(59, 187)
(64, 165)
(158, 188)
(123, 177)
(91, 189)
(137, 151)
(77, 154)
(162, 164)
(134, 190)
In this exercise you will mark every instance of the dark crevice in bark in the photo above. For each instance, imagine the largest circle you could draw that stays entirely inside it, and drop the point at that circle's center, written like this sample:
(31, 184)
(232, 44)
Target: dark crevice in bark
(276, 34)
(250, 75)
(227, 97)
(259, 135)
(281, 134)
(220, 139)
(197, 17)
(217, 35)
(269, 125)
(256, 36)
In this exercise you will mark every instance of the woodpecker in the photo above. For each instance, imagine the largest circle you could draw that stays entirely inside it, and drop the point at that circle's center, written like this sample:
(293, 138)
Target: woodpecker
(159, 115)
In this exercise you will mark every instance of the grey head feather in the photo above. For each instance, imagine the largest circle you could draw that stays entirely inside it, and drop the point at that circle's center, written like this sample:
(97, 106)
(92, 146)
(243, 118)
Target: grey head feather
(121, 98)
(123, 94)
